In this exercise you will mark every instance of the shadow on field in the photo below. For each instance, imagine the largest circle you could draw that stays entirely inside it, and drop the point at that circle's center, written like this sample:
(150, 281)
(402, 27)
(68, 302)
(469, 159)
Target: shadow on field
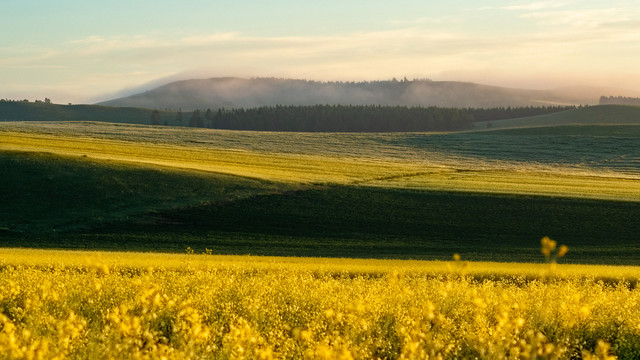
(364, 222)
(76, 203)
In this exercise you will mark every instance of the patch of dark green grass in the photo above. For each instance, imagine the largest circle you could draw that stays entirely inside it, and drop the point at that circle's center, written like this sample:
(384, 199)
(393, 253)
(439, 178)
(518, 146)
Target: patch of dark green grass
(76, 203)
(366, 222)
(617, 131)
(43, 193)
(589, 115)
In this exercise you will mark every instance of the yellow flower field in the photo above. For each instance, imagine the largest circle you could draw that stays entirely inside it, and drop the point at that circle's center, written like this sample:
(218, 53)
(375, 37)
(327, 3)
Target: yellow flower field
(62, 304)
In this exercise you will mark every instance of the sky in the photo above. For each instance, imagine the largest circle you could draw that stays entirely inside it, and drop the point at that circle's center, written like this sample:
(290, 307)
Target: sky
(82, 51)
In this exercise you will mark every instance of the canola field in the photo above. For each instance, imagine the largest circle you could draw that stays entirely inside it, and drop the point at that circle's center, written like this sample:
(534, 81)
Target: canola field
(98, 305)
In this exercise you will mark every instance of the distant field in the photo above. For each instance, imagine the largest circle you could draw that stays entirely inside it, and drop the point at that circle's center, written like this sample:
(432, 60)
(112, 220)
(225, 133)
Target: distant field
(611, 131)
(591, 115)
(597, 146)
(565, 165)
(28, 111)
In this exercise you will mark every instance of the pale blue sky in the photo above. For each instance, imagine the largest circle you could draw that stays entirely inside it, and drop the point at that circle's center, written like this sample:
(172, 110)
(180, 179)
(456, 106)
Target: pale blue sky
(80, 51)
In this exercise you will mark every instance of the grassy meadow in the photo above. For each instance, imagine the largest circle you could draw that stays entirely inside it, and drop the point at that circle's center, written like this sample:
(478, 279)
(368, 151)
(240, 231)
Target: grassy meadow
(590, 115)
(245, 245)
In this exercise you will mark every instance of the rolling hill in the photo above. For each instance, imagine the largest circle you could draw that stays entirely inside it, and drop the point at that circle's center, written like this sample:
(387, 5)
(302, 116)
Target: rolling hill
(229, 92)
(485, 195)
(619, 119)
(591, 115)
(39, 111)
(316, 118)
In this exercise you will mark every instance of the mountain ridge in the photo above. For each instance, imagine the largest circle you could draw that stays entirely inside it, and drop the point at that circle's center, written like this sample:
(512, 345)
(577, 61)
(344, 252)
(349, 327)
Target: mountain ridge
(234, 92)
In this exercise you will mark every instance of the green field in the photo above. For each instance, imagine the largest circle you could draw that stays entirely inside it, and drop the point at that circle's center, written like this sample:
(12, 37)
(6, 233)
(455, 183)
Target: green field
(40, 111)
(590, 115)
(486, 195)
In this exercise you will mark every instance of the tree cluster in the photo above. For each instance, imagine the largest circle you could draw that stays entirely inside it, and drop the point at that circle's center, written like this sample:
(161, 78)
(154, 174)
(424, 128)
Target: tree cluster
(14, 101)
(342, 118)
(619, 100)
(348, 118)
(46, 101)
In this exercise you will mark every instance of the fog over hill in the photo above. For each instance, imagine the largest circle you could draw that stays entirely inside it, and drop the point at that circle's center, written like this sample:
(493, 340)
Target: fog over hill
(231, 92)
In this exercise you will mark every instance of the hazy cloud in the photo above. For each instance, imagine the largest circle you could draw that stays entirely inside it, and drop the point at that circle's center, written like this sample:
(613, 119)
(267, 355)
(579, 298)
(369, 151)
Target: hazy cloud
(535, 6)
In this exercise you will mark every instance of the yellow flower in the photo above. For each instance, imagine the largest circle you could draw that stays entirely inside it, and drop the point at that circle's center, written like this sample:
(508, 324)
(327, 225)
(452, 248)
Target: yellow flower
(563, 250)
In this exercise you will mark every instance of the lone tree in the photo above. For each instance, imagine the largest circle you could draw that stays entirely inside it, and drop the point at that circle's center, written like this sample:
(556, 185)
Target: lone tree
(155, 117)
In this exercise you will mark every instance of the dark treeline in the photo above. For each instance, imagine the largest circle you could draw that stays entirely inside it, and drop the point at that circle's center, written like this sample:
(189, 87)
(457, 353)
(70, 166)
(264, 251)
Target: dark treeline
(347, 118)
(314, 118)
(340, 118)
(619, 100)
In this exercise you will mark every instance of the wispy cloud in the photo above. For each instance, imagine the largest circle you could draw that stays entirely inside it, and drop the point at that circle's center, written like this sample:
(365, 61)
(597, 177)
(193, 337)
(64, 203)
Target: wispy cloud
(428, 20)
(534, 6)
(210, 38)
(243, 47)
(37, 66)
(590, 26)
(530, 6)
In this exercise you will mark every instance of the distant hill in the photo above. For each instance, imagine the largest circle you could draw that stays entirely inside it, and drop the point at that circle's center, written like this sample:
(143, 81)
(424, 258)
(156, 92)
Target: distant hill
(619, 100)
(229, 92)
(30, 111)
(333, 118)
(590, 115)
(316, 118)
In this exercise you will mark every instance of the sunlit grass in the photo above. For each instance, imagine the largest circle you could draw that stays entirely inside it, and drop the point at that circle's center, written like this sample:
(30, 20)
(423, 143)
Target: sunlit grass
(524, 182)
(274, 167)
(320, 164)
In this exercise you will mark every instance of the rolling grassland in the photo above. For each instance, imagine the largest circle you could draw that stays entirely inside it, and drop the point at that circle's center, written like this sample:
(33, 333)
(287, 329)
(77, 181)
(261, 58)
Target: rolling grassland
(585, 167)
(591, 115)
(46, 192)
(486, 195)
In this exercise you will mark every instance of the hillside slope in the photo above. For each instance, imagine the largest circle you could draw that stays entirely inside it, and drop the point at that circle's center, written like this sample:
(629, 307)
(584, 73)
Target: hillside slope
(591, 115)
(410, 195)
(236, 92)
(29, 111)
(44, 192)
(54, 201)
(316, 118)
